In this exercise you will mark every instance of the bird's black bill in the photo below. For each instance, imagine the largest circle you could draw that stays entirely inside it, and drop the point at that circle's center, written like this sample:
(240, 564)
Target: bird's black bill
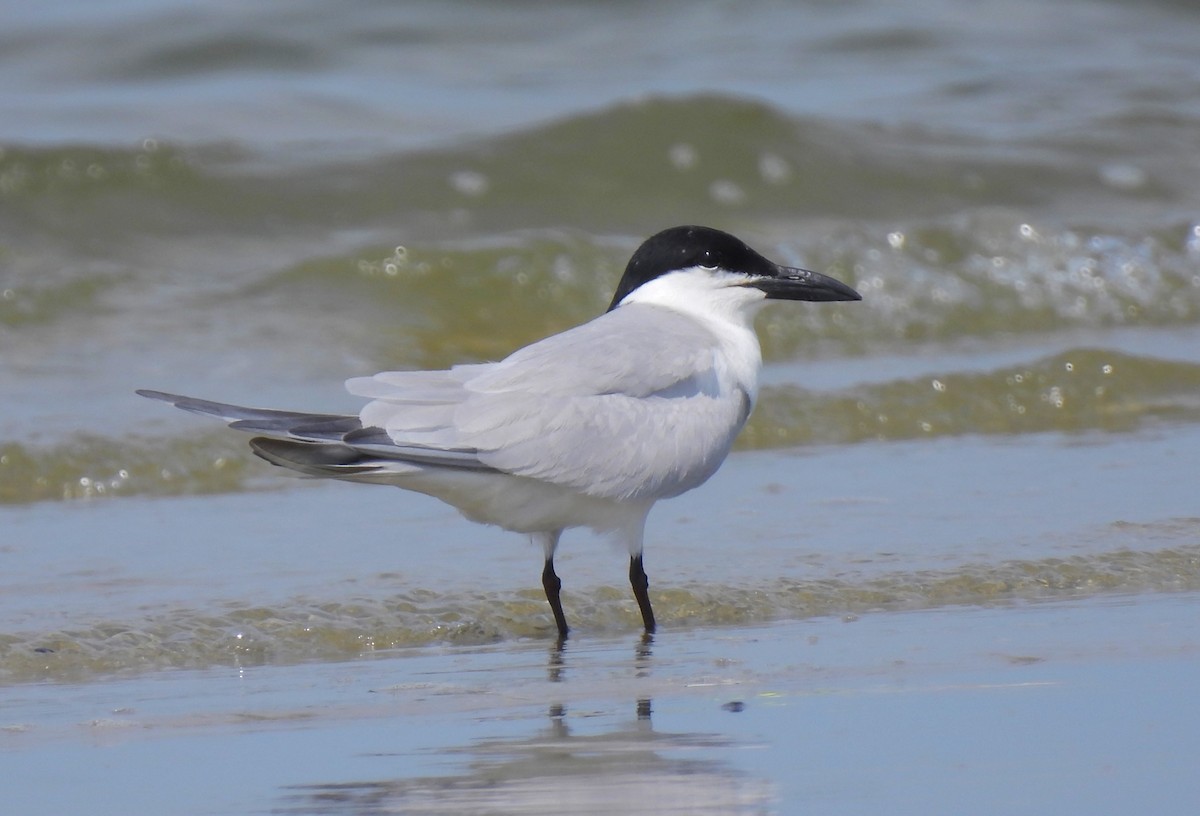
(801, 284)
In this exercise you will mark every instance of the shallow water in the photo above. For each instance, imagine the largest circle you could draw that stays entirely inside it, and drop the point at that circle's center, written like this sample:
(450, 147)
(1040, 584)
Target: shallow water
(1028, 707)
(252, 202)
(337, 572)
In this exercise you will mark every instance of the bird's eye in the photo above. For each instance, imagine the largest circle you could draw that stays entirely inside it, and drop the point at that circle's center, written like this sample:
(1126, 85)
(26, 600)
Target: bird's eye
(707, 263)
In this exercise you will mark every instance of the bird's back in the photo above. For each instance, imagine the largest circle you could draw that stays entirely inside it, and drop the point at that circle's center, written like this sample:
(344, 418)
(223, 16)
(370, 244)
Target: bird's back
(636, 404)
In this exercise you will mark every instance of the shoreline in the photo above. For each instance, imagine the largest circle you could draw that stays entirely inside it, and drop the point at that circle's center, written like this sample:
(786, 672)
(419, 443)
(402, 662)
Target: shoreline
(912, 709)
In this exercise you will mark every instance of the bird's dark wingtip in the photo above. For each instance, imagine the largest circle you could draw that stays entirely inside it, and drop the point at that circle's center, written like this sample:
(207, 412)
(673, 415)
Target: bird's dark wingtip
(150, 393)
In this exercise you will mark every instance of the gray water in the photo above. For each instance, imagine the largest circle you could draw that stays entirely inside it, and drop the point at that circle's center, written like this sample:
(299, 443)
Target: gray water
(254, 201)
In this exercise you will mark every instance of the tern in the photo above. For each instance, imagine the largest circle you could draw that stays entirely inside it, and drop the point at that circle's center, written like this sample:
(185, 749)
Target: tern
(586, 428)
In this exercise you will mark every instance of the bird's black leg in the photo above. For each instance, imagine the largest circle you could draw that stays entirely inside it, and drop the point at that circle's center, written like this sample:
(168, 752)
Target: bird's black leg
(553, 584)
(641, 585)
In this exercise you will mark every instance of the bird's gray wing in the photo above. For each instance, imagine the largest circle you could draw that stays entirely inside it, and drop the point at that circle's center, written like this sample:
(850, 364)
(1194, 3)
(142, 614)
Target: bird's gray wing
(317, 444)
(606, 445)
(415, 408)
(636, 350)
(629, 404)
(283, 424)
(632, 404)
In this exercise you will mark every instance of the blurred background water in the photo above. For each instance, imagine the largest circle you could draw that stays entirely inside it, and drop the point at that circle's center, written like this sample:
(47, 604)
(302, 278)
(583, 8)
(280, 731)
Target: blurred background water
(252, 201)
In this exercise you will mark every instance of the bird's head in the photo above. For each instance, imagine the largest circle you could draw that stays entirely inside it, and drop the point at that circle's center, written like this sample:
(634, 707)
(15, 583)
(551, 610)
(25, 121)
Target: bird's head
(708, 258)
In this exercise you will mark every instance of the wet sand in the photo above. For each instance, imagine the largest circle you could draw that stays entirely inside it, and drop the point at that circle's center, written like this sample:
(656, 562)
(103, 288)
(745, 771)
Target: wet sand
(1081, 702)
(1079, 707)
(870, 511)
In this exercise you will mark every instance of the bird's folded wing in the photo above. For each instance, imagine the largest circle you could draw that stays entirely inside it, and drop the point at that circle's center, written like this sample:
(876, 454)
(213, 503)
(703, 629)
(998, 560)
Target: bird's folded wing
(295, 424)
(629, 403)
(319, 444)
(607, 445)
(636, 350)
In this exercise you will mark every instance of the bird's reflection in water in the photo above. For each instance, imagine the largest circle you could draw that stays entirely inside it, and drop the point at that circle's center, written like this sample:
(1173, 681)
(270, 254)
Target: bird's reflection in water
(556, 665)
(557, 662)
(586, 763)
(641, 665)
(643, 653)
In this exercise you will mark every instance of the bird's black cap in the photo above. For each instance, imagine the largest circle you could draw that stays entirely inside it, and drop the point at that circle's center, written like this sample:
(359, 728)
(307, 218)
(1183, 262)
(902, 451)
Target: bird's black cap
(691, 246)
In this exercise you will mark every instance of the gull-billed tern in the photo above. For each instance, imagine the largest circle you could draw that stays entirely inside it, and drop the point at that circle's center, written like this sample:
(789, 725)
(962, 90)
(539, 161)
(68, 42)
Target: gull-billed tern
(587, 428)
